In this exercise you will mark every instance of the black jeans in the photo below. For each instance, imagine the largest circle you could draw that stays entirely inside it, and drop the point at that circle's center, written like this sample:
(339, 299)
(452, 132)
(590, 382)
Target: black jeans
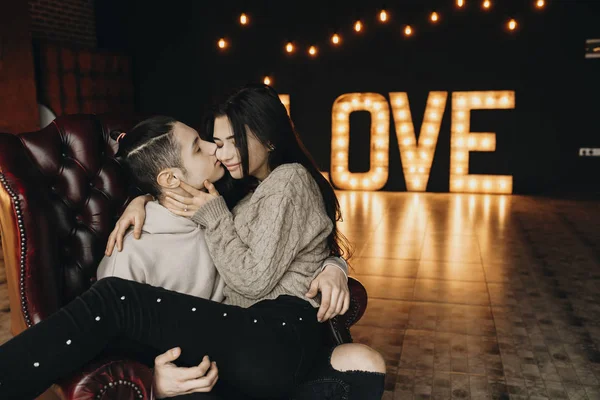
(264, 351)
(322, 383)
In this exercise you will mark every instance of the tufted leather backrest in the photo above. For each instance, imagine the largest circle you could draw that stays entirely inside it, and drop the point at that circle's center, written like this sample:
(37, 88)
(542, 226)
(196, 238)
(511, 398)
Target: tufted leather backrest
(62, 191)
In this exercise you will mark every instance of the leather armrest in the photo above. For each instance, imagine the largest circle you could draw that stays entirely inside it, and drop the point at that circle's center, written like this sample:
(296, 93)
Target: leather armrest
(108, 378)
(27, 240)
(340, 325)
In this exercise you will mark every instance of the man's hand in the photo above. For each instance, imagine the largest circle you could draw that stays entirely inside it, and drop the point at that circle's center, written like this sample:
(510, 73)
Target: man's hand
(335, 295)
(170, 380)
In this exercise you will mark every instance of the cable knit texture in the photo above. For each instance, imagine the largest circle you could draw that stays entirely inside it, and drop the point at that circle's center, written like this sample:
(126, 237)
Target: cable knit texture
(273, 242)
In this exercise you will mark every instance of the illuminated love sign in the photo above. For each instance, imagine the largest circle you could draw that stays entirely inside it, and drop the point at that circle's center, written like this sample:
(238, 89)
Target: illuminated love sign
(416, 156)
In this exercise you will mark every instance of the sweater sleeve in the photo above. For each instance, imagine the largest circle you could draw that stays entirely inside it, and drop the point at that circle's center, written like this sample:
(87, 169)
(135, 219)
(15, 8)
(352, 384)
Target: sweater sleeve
(253, 269)
(339, 262)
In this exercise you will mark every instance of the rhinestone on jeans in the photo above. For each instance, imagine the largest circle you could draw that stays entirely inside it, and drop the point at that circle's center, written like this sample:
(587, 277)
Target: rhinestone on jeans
(224, 314)
(122, 297)
(36, 364)
(98, 318)
(194, 309)
(69, 342)
(255, 321)
(283, 324)
(300, 318)
(158, 300)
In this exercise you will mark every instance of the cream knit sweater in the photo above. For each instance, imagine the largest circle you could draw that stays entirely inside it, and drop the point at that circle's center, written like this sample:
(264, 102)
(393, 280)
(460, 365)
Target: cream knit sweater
(273, 242)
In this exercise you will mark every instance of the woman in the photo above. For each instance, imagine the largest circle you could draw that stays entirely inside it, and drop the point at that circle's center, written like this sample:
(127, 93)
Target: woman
(255, 139)
(265, 337)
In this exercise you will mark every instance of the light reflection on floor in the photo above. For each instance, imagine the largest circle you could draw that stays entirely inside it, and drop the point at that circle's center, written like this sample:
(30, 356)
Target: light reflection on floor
(479, 296)
(474, 296)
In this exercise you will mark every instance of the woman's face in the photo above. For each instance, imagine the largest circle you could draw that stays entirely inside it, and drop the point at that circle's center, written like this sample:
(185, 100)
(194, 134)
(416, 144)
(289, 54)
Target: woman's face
(229, 154)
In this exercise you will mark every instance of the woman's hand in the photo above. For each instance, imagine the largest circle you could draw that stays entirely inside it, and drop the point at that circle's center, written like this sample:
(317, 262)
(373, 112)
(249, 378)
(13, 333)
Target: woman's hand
(187, 206)
(170, 380)
(335, 294)
(134, 214)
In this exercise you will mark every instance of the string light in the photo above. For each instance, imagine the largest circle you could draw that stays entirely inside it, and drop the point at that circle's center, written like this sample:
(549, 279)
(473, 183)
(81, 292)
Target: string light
(358, 26)
(383, 17)
(434, 17)
(267, 81)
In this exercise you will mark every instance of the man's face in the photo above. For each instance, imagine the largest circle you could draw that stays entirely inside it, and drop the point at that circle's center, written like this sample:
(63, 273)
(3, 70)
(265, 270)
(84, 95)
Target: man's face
(197, 157)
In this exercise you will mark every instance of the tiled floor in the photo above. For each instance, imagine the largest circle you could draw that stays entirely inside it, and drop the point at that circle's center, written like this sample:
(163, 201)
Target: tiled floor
(482, 297)
(475, 296)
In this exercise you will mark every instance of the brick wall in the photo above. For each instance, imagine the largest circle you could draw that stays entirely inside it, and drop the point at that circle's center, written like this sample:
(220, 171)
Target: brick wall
(18, 101)
(67, 21)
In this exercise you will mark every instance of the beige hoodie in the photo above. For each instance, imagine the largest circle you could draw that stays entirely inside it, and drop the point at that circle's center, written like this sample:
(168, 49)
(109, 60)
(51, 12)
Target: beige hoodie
(171, 253)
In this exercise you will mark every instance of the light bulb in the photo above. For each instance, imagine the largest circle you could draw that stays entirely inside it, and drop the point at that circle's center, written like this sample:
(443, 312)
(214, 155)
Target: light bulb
(243, 19)
(289, 47)
(383, 16)
(358, 26)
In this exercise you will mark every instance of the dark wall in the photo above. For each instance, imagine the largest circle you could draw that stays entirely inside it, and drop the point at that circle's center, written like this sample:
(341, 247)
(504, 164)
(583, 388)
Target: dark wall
(179, 71)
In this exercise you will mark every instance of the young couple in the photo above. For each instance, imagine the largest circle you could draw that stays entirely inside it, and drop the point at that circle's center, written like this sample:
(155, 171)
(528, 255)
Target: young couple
(256, 316)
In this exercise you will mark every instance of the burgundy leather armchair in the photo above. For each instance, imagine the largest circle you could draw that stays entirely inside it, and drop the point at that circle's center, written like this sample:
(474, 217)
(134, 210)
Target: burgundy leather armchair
(61, 191)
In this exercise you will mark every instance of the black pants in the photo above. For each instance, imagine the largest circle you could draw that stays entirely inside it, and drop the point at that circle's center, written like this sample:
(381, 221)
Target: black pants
(263, 351)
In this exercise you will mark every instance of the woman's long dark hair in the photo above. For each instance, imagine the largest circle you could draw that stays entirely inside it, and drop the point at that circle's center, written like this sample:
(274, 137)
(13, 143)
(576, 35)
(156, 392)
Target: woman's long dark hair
(259, 108)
